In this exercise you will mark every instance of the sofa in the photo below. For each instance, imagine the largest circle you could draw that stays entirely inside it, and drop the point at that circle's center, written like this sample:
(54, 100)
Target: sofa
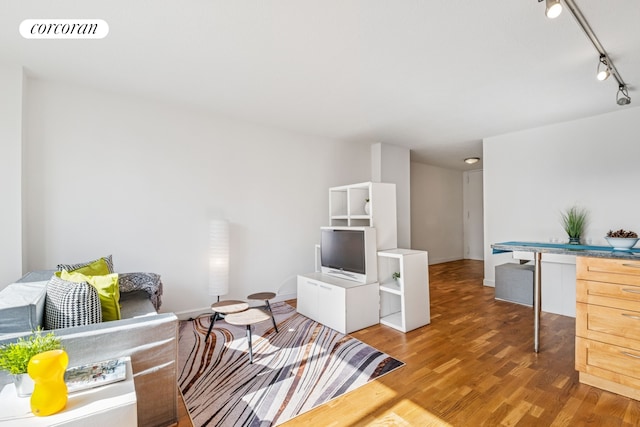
(150, 339)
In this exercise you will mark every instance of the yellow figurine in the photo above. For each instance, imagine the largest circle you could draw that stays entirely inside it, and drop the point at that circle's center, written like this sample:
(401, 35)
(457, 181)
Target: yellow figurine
(50, 391)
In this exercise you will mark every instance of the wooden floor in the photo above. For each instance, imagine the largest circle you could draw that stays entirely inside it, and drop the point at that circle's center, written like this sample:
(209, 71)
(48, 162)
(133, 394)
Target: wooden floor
(184, 420)
(474, 365)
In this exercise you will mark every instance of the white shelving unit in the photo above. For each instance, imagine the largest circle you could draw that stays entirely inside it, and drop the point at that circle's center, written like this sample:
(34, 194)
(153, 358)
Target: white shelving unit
(404, 302)
(346, 209)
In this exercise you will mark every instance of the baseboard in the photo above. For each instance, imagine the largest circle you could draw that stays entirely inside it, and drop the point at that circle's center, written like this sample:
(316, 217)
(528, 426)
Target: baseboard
(285, 297)
(193, 313)
(490, 283)
(443, 260)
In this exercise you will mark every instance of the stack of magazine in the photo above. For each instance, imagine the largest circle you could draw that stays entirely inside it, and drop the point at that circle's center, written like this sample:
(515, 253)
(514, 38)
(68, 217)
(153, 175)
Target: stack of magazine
(96, 374)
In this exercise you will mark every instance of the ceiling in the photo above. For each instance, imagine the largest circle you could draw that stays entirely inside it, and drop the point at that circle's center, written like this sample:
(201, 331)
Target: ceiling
(433, 76)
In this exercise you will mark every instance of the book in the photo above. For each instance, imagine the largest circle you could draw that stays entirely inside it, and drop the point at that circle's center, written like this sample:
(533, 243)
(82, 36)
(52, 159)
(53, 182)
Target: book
(96, 374)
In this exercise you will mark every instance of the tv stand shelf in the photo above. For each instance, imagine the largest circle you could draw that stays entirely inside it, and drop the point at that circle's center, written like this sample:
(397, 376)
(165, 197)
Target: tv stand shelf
(340, 304)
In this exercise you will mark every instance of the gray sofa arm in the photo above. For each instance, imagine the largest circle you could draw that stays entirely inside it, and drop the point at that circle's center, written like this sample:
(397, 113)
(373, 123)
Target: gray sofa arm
(151, 342)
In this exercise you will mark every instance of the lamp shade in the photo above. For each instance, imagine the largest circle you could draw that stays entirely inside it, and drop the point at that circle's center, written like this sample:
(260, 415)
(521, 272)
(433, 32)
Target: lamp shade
(218, 257)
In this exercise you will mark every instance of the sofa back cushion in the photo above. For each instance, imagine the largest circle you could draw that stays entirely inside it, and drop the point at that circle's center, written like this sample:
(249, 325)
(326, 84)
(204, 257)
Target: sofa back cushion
(71, 304)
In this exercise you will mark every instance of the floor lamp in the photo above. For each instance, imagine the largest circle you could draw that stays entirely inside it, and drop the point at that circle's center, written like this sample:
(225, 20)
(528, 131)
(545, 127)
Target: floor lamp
(218, 257)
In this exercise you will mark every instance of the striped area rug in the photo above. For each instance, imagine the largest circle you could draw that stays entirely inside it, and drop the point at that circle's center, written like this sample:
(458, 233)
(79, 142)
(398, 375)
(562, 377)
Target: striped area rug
(304, 365)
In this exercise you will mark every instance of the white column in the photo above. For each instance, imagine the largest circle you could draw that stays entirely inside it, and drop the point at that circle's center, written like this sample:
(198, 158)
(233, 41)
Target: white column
(390, 163)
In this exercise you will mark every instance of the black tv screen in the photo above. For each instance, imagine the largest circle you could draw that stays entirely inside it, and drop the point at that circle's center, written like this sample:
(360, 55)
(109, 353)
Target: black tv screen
(343, 250)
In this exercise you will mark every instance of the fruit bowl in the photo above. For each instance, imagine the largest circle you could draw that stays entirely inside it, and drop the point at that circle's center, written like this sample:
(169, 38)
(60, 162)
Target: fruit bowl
(623, 243)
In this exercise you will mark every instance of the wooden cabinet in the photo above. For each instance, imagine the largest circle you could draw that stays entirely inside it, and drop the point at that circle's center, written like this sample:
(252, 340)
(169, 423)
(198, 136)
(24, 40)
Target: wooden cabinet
(343, 305)
(608, 324)
(404, 302)
(347, 209)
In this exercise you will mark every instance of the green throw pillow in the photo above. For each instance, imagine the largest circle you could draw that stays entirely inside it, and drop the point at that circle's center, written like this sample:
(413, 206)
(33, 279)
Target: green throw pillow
(107, 287)
(98, 267)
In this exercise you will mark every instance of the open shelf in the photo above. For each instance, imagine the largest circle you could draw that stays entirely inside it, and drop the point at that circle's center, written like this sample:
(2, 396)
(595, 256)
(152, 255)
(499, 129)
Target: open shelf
(367, 217)
(338, 204)
(392, 287)
(347, 209)
(393, 320)
(339, 222)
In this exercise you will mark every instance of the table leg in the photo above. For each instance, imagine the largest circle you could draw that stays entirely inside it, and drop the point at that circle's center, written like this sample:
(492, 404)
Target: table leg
(249, 341)
(536, 301)
(214, 316)
(273, 319)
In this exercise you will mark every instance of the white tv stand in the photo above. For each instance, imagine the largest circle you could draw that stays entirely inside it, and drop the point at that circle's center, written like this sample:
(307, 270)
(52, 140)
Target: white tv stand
(343, 305)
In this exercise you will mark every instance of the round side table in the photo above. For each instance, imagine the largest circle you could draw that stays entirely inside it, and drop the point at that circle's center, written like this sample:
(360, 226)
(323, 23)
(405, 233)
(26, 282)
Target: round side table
(247, 318)
(265, 296)
(225, 307)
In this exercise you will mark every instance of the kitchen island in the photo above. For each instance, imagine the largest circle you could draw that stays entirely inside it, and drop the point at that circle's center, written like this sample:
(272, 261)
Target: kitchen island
(536, 249)
(607, 312)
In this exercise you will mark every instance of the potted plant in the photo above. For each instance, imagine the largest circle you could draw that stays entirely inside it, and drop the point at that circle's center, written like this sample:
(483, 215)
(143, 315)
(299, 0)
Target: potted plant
(15, 356)
(574, 222)
(395, 276)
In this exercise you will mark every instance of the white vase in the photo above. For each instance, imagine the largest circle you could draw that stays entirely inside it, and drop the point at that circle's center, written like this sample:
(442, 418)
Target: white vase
(367, 208)
(24, 385)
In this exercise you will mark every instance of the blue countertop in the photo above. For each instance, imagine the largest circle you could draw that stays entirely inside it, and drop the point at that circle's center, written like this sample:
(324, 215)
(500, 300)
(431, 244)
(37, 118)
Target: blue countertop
(566, 249)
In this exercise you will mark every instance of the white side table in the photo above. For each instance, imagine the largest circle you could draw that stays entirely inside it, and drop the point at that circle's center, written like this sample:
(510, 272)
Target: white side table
(109, 405)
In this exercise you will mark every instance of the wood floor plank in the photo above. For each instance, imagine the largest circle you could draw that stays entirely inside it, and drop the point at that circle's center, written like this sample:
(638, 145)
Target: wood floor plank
(475, 365)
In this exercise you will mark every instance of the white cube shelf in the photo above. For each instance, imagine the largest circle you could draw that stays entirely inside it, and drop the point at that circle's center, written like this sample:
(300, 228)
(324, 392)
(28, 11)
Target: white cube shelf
(404, 302)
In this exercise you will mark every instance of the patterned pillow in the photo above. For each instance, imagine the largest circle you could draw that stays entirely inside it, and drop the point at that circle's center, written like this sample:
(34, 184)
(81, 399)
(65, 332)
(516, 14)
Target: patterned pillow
(107, 287)
(71, 304)
(71, 267)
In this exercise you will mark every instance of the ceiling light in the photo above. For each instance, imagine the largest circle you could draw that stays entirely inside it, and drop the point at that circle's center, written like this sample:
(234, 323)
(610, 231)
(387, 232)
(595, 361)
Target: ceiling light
(625, 99)
(554, 8)
(472, 160)
(603, 73)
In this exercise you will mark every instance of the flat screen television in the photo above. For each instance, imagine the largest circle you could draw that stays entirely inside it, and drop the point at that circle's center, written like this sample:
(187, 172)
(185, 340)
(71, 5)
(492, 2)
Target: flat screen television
(349, 253)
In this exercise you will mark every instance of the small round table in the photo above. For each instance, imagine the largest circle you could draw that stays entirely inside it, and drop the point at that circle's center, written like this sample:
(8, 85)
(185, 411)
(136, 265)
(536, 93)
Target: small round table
(225, 307)
(247, 318)
(266, 296)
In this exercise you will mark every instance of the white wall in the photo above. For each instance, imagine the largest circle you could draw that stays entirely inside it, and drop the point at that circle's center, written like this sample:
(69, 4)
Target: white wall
(473, 215)
(110, 174)
(436, 212)
(10, 174)
(390, 163)
(533, 175)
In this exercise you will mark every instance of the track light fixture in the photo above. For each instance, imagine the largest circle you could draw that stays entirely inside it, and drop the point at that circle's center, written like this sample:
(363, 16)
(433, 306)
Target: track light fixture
(554, 9)
(603, 73)
(625, 99)
(605, 65)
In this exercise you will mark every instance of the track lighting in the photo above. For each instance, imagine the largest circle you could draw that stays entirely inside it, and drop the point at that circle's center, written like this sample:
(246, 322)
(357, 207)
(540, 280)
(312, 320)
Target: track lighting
(603, 73)
(605, 66)
(554, 9)
(625, 99)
